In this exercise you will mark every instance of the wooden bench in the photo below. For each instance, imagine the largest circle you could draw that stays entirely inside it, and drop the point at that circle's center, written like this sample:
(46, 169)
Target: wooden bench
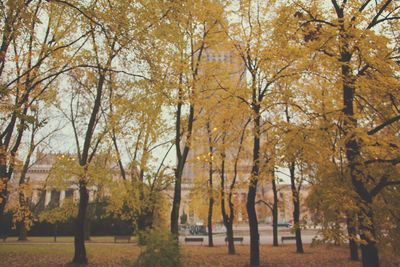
(235, 239)
(122, 237)
(291, 237)
(194, 239)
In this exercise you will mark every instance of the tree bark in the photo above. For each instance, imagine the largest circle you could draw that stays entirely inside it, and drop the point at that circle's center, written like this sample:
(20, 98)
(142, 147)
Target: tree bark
(181, 159)
(369, 250)
(252, 191)
(3, 182)
(296, 208)
(228, 219)
(253, 224)
(79, 241)
(352, 231)
(176, 203)
(275, 213)
(22, 231)
(210, 187)
(209, 222)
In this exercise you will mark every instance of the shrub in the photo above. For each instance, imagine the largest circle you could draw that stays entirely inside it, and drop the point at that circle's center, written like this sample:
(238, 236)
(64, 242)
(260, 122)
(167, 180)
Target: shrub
(160, 250)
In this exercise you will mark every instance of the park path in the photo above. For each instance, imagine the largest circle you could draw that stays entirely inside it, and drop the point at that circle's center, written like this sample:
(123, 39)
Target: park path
(219, 239)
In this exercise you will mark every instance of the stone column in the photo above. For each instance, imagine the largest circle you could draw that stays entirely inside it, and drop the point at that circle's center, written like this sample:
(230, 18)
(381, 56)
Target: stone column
(47, 198)
(35, 196)
(62, 196)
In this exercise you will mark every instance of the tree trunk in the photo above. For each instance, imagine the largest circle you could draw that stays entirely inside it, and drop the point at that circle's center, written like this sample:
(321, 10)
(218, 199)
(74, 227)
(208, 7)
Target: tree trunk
(275, 214)
(296, 208)
(3, 181)
(87, 229)
(176, 204)
(210, 186)
(79, 241)
(209, 222)
(253, 224)
(370, 256)
(3, 199)
(181, 158)
(369, 250)
(22, 231)
(229, 235)
(351, 230)
(252, 191)
(228, 220)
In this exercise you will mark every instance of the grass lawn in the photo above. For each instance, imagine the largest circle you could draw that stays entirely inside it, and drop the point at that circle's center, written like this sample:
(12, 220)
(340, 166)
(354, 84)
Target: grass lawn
(114, 255)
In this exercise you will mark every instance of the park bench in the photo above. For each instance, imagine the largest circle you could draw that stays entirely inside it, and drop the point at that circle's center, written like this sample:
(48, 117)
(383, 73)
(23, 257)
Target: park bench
(122, 237)
(235, 239)
(194, 239)
(291, 237)
(4, 237)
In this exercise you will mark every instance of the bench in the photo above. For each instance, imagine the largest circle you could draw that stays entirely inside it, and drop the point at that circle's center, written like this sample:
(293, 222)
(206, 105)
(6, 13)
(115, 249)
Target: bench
(291, 237)
(194, 239)
(235, 239)
(122, 237)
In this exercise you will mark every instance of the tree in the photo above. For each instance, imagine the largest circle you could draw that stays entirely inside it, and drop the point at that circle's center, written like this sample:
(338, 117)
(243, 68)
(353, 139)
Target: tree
(23, 215)
(267, 58)
(192, 22)
(340, 35)
(89, 90)
(30, 63)
(228, 218)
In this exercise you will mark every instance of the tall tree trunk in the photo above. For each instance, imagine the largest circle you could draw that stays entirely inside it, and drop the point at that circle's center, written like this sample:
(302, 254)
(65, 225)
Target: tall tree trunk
(181, 159)
(252, 191)
(210, 187)
(275, 212)
(209, 222)
(3, 178)
(352, 231)
(84, 160)
(369, 249)
(227, 219)
(7, 168)
(253, 225)
(79, 241)
(296, 208)
(22, 230)
(4, 184)
(176, 203)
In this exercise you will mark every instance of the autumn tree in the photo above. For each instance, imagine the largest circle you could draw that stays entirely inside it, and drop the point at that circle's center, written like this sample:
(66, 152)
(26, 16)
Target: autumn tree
(267, 58)
(359, 39)
(37, 44)
(106, 40)
(38, 136)
(190, 23)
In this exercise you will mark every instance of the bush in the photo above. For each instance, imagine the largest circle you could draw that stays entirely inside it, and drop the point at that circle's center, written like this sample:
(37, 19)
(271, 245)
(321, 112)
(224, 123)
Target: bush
(160, 250)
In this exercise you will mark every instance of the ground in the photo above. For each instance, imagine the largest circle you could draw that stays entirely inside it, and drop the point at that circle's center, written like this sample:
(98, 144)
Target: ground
(109, 254)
